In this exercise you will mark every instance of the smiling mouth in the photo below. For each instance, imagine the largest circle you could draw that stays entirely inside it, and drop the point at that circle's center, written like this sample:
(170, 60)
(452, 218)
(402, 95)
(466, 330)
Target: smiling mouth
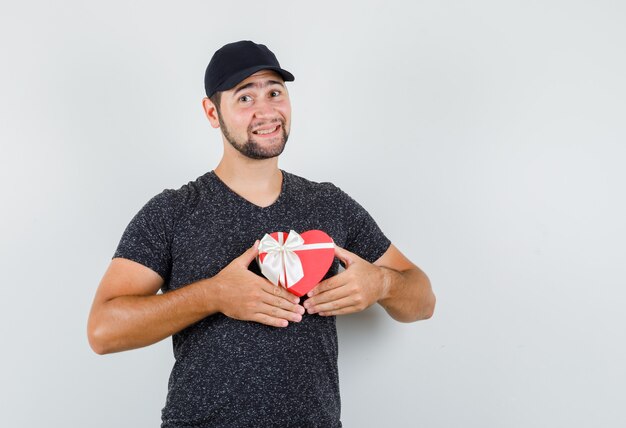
(267, 131)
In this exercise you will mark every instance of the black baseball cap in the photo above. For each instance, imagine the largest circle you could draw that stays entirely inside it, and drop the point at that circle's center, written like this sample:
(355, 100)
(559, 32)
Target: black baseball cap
(236, 61)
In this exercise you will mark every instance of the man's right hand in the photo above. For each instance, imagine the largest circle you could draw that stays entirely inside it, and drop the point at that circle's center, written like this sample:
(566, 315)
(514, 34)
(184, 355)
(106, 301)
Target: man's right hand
(128, 313)
(243, 295)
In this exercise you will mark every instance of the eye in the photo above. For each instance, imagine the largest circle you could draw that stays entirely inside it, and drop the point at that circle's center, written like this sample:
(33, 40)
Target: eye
(274, 93)
(245, 98)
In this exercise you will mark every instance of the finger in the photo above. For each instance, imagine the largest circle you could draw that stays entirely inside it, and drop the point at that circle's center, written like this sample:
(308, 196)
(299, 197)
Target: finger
(277, 312)
(343, 311)
(250, 254)
(328, 296)
(281, 303)
(346, 257)
(278, 291)
(328, 284)
(271, 321)
(332, 306)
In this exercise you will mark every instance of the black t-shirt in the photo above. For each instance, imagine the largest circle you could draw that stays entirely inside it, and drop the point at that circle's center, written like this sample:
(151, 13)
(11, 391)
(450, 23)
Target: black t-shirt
(231, 373)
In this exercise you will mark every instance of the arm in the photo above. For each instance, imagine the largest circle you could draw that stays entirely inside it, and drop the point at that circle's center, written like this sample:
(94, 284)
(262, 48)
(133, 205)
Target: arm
(127, 313)
(408, 295)
(393, 281)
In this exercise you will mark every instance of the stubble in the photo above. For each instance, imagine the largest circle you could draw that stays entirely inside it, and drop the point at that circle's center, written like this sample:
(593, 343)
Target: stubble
(252, 149)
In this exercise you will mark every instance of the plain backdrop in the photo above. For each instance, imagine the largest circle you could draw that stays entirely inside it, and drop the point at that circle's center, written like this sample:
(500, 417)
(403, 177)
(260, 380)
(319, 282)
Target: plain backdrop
(486, 138)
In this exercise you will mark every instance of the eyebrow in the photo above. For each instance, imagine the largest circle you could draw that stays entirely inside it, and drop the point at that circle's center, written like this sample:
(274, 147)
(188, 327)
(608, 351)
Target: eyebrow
(258, 85)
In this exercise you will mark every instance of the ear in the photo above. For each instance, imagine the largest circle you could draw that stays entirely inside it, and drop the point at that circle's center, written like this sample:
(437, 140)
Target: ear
(211, 112)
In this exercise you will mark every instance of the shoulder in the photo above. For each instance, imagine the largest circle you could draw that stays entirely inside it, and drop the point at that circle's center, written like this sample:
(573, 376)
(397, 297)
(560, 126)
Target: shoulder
(324, 189)
(325, 196)
(174, 202)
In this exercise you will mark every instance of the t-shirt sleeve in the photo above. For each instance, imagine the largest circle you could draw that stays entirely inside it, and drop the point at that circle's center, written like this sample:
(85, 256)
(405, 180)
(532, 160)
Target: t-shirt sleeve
(364, 237)
(147, 238)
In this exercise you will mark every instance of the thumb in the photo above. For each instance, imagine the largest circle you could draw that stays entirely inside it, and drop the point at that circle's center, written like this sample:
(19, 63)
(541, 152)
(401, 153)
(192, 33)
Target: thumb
(346, 257)
(250, 254)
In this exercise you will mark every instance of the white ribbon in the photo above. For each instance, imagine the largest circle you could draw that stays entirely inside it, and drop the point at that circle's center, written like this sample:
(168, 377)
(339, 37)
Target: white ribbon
(281, 264)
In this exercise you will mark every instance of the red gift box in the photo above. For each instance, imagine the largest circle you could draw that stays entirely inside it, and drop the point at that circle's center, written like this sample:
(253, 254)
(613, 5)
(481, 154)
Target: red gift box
(295, 261)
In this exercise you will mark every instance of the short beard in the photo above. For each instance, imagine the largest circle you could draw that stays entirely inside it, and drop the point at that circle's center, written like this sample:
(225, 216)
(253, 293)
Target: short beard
(251, 149)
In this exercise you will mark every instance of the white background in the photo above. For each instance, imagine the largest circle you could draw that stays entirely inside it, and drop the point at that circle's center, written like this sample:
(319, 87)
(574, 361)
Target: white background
(485, 137)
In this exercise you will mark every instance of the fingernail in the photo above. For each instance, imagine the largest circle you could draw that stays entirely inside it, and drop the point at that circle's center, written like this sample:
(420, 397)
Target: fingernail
(297, 318)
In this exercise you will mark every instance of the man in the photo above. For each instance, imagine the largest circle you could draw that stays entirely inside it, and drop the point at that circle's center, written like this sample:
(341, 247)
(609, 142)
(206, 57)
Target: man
(248, 353)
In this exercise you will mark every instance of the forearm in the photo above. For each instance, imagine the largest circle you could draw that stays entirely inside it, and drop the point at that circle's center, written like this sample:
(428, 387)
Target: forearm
(408, 295)
(129, 322)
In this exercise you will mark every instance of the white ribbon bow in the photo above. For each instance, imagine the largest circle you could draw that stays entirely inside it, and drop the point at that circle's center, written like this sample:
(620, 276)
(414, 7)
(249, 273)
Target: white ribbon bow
(281, 264)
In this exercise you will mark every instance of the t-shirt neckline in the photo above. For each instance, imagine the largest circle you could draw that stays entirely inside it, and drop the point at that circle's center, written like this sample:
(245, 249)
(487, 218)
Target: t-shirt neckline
(237, 196)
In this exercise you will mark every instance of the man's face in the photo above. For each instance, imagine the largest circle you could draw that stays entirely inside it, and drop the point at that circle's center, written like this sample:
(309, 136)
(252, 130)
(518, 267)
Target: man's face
(255, 116)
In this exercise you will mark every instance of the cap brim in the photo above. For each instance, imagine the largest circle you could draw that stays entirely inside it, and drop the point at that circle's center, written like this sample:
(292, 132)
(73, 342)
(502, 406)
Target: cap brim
(232, 81)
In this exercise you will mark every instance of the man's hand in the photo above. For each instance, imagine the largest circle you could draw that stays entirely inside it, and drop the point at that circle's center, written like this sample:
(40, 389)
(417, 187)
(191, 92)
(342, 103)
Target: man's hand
(357, 288)
(244, 295)
(127, 312)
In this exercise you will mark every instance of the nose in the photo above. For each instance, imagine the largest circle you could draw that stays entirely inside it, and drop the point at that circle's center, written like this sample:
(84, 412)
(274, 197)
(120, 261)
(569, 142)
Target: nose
(264, 109)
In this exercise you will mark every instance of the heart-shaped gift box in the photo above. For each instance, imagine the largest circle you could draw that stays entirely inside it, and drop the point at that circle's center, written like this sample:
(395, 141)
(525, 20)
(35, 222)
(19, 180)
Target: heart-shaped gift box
(295, 261)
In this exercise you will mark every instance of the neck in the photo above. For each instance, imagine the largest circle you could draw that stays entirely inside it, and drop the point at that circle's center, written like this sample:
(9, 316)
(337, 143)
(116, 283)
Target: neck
(250, 176)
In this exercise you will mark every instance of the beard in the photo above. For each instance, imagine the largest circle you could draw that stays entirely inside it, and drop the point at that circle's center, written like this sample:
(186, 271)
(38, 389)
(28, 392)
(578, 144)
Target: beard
(252, 149)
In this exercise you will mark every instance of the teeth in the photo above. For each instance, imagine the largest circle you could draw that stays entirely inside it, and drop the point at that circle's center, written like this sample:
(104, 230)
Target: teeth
(267, 131)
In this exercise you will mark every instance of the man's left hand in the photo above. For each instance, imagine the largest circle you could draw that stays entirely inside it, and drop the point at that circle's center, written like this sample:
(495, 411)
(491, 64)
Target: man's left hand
(357, 288)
